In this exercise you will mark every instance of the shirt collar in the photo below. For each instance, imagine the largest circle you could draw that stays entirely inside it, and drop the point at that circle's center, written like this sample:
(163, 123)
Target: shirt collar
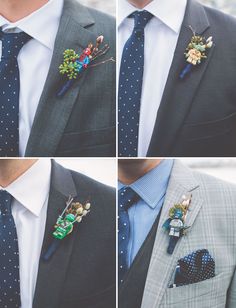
(42, 25)
(169, 12)
(152, 186)
(31, 189)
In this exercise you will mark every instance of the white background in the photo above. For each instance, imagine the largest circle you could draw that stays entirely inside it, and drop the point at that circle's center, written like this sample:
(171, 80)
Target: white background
(223, 168)
(108, 6)
(102, 170)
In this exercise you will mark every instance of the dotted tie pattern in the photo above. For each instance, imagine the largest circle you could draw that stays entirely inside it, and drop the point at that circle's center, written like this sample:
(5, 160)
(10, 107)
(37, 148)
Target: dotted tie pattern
(9, 255)
(195, 267)
(130, 86)
(9, 92)
(126, 198)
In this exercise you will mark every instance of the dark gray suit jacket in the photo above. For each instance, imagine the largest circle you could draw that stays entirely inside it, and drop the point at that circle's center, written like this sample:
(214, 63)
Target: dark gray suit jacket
(197, 115)
(82, 123)
(82, 271)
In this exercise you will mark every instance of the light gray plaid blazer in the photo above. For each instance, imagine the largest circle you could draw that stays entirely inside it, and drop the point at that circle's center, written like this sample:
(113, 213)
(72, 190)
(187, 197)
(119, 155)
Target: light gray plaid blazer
(213, 226)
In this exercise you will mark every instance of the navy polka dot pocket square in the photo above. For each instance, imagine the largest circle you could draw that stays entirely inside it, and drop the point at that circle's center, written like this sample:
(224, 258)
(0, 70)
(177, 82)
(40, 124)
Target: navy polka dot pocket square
(195, 267)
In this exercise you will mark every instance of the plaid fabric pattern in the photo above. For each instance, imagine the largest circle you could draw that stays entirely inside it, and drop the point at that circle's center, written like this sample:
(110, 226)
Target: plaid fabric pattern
(212, 226)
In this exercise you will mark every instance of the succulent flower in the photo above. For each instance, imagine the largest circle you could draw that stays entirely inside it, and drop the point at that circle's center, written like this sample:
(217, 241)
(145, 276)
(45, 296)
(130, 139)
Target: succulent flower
(194, 56)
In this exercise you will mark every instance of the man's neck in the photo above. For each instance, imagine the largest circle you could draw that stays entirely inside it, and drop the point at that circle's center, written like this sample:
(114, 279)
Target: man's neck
(11, 169)
(130, 170)
(14, 10)
(140, 4)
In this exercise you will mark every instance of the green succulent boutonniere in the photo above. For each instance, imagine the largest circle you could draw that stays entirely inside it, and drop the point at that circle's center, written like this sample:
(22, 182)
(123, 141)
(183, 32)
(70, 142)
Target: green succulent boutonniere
(72, 215)
(75, 64)
(195, 52)
(70, 66)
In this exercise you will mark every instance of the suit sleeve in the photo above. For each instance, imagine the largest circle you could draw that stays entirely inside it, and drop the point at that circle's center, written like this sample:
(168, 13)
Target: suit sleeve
(231, 296)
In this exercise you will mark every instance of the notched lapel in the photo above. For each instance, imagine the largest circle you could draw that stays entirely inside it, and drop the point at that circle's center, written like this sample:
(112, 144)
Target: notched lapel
(53, 113)
(162, 265)
(178, 94)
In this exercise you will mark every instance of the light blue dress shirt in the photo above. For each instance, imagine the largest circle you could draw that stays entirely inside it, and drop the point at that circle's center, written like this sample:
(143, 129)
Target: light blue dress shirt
(152, 189)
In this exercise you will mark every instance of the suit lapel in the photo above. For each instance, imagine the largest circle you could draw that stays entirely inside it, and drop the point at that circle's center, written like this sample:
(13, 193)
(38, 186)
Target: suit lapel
(53, 113)
(178, 94)
(51, 274)
(162, 265)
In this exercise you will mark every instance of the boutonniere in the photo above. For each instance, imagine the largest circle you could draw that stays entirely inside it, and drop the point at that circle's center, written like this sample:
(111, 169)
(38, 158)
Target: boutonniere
(195, 52)
(75, 64)
(175, 224)
(72, 215)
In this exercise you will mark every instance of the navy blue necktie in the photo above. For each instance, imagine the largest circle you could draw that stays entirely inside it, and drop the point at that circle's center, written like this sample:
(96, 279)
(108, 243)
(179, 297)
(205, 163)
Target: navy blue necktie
(130, 86)
(126, 198)
(9, 255)
(9, 92)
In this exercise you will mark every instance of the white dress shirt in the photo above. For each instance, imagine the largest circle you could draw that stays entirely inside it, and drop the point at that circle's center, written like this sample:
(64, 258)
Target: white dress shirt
(34, 60)
(161, 36)
(29, 209)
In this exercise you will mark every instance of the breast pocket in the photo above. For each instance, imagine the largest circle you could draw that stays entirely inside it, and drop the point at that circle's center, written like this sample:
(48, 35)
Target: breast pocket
(204, 294)
(103, 299)
(213, 138)
(97, 143)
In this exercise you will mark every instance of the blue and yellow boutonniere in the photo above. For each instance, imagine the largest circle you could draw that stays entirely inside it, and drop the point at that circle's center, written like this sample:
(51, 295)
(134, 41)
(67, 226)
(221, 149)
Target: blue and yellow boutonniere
(72, 215)
(74, 64)
(195, 52)
(175, 224)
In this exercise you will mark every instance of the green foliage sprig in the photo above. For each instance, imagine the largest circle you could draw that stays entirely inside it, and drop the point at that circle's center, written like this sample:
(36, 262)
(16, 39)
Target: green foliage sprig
(69, 67)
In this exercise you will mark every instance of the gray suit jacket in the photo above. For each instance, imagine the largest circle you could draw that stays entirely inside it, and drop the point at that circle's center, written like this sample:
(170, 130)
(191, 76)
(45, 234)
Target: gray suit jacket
(212, 226)
(82, 123)
(82, 271)
(197, 115)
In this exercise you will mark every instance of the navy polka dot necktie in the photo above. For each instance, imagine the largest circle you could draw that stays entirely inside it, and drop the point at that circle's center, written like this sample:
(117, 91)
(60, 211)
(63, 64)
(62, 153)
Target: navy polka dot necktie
(9, 255)
(130, 86)
(9, 92)
(126, 198)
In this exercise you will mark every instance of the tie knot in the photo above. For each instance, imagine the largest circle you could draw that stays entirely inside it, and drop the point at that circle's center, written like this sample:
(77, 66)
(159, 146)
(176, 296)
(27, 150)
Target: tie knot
(5, 203)
(141, 18)
(12, 43)
(127, 197)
